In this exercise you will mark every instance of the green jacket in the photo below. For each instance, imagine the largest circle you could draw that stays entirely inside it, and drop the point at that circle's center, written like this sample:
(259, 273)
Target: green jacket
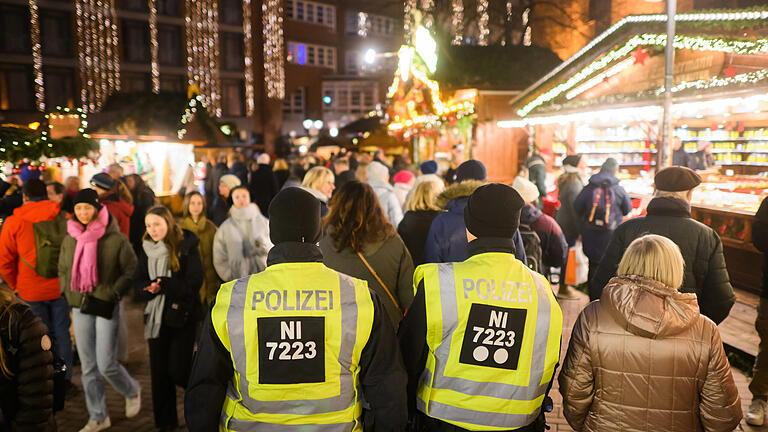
(116, 263)
(204, 229)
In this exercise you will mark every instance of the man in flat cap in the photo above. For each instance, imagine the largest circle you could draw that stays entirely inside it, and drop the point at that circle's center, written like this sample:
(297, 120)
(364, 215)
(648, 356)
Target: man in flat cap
(669, 215)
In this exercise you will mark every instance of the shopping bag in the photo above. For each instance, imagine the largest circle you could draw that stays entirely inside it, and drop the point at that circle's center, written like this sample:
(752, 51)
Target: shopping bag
(577, 267)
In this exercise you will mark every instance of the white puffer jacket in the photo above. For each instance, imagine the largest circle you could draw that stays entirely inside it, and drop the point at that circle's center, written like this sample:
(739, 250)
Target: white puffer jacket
(241, 243)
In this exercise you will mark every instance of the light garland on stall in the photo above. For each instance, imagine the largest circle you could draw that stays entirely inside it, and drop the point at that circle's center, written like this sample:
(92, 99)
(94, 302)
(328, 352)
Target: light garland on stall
(37, 55)
(656, 18)
(459, 110)
(189, 114)
(274, 66)
(153, 46)
(457, 21)
(482, 23)
(250, 91)
(681, 42)
(714, 82)
(98, 51)
(202, 35)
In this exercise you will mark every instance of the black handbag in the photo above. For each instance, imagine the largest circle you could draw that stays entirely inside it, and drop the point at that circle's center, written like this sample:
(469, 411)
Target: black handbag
(93, 306)
(175, 315)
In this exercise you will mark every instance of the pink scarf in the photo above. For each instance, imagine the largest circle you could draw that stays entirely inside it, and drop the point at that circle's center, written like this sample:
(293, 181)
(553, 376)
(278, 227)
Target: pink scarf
(85, 271)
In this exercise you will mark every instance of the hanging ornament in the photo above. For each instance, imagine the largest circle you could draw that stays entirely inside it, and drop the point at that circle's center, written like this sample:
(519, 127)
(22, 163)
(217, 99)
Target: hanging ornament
(730, 71)
(640, 55)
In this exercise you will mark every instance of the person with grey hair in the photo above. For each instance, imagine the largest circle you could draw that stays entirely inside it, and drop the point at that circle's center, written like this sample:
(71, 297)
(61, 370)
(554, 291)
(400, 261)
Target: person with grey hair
(378, 177)
(669, 215)
(601, 206)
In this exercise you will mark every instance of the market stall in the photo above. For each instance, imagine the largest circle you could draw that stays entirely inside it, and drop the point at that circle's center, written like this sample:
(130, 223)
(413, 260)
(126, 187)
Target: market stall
(606, 101)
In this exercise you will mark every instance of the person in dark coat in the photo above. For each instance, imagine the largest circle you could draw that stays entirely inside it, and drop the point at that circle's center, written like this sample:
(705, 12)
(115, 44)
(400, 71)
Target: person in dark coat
(422, 210)
(26, 368)
(168, 277)
(116, 197)
(143, 200)
(537, 170)
(10, 191)
(569, 185)
(447, 240)
(295, 229)
(679, 155)
(759, 384)
(239, 169)
(219, 212)
(669, 215)
(595, 231)
(213, 177)
(263, 184)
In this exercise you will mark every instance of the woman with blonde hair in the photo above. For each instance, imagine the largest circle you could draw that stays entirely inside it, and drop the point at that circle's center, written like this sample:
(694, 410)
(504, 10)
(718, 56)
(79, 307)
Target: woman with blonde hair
(642, 357)
(195, 221)
(422, 209)
(320, 182)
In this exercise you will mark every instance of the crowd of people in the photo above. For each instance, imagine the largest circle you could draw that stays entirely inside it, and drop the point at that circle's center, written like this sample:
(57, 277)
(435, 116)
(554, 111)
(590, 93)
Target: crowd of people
(315, 234)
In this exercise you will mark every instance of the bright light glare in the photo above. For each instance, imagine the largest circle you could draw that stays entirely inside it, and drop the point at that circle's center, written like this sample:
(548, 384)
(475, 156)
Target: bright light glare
(370, 56)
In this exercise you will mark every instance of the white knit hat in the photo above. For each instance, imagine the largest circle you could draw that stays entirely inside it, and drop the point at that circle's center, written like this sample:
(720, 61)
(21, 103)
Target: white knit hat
(263, 159)
(230, 181)
(526, 189)
(377, 171)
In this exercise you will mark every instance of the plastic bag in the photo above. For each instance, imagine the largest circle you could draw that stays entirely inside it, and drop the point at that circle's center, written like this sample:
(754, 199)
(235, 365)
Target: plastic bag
(577, 267)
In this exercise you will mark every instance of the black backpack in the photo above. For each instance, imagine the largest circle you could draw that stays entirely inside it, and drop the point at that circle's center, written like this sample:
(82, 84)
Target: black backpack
(600, 214)
(48, 238)
(532, 244)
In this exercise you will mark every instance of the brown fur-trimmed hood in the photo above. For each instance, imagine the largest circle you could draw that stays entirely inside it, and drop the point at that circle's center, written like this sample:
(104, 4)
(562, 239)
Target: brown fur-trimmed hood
(457, 190)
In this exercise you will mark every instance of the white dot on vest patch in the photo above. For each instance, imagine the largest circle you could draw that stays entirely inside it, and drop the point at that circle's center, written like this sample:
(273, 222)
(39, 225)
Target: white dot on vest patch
(500, 356)
(45, 343)
(480, 353)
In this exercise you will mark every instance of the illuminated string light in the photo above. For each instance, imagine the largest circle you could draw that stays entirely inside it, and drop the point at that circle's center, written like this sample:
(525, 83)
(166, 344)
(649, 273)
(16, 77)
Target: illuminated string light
(408, 8)
(527, 27)
(457, 21)
(189, 114)
(362, 24)
(153, 46)
(248, 52)
(98, 51)
(714, 82)
(428, 10)
(274, 67)
(482, 23)
(37, 55)
(202, 39)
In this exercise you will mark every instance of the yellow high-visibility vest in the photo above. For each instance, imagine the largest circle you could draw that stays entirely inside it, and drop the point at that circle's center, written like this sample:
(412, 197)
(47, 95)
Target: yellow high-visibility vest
(295, 332)
(493, 331)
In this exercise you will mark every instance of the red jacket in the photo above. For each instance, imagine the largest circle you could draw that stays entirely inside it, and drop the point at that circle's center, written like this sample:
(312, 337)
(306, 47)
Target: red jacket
(120, 210)
(17, 238)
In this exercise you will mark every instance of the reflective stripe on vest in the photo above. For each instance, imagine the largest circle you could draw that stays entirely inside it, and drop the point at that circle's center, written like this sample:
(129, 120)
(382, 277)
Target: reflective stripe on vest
(330, 404)
(478, 397)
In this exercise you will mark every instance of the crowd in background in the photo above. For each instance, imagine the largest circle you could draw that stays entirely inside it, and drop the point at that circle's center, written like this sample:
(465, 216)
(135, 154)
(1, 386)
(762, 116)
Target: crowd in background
(382, 218)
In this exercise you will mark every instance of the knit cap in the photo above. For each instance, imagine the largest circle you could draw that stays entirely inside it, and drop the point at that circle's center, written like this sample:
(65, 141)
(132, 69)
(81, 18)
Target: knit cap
(428, 167)
(377, 171)
(294, 216)
(403, 176)
(230, 181)
(493, 210)
(87, 196)
(471, 170)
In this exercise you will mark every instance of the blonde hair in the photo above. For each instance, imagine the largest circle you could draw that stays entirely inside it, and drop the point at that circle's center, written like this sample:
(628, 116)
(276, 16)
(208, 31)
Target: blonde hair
(424, 196)
(315, 177)
(655, 257)
(280, 165)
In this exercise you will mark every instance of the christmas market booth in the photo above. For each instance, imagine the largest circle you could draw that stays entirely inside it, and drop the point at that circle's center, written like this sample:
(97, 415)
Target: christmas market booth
(445, 101)
(159, 136)
(607, 101)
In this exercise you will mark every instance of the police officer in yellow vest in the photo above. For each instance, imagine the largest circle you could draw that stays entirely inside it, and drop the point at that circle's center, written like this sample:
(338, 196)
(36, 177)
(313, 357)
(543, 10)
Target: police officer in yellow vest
(482, 338)
(297, 347)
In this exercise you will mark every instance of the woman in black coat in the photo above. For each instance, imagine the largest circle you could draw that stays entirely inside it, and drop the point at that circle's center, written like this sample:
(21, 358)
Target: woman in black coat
(422, 210)
(168, 277)
(143, 200)
(26, 368)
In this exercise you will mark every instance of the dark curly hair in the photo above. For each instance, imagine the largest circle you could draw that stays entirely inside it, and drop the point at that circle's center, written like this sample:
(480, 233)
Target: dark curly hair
(356, 218)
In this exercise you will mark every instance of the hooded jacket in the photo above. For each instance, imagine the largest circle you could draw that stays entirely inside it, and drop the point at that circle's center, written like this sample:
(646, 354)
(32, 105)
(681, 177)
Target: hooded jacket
(389, 202)
(17, 240)
(391, 261)
(554, 249)
(120, 210)
(205, 231)
(447, 238)
(594, 240)
(230, 251)
(116, 265)
(642, 358)
(705, 271)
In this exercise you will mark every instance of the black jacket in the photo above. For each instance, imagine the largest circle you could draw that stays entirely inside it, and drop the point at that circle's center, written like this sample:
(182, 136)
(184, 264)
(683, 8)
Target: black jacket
(218, 212)
(382, 376)
(26, 398)
(182, 288)
(9, 203)
(705, 271)
(143, 200)
(760, 240)
(263, 187)
(413, 229)
(413, 342)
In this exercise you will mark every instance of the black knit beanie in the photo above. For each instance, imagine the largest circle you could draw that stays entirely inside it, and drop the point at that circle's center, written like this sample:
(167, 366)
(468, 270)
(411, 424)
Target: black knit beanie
(472, 169)
(294, 216)
(493, 210)
(88, 196)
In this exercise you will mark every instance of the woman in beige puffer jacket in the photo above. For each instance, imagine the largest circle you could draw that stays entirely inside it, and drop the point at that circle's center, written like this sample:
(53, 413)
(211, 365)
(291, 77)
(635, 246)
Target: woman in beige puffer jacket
(642, 358)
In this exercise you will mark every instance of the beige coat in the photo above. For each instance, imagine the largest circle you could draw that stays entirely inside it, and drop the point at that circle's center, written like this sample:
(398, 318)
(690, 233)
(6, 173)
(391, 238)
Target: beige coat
(642, 358)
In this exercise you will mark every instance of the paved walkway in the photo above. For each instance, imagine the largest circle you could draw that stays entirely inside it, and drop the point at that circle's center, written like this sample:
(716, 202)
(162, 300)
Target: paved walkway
(75, 415)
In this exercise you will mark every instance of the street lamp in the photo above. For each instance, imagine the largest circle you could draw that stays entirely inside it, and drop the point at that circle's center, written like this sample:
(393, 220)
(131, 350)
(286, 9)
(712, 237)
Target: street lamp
(307, 124)
(370, 56)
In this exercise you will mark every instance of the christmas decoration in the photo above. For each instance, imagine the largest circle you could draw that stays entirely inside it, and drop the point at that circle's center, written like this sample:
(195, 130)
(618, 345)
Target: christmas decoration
(408, 23)
(457, 21)
(482, 24)
(639, 56)
(274, 67)
(18, 143)
(37, 55)
(154, 48)
(202, 37)
(730, 71)
(98, 52)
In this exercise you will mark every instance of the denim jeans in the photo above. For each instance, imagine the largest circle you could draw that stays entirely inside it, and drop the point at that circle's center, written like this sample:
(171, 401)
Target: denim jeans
(55, 315)
(97, 346)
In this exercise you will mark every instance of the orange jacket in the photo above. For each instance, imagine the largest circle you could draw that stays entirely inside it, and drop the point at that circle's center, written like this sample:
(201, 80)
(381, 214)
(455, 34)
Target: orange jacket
(17, 238)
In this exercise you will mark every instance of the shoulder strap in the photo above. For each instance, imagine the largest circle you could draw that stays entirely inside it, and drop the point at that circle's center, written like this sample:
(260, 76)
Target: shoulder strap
(594, 204)
(389, 293)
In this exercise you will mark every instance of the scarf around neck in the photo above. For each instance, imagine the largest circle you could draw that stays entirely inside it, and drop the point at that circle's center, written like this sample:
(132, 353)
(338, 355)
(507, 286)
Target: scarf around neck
(85, 269)
(189, 224)
(157, 259)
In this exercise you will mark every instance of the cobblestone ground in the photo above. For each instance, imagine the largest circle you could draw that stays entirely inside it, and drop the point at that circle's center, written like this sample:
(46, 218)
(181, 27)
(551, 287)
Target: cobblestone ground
(75, 415)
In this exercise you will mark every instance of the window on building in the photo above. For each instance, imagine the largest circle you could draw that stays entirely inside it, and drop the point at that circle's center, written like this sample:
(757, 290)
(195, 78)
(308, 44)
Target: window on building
(170, 45)
(353, 63)
(232, 51)
(136, 41)
(311, 55)
(289, 8)
(320, 14)
(294, 102)
(172, 83)
(233, 98)
(375, 25)
(299, 11)
(231, 12)
(16, 88)
(350, 97)
(135, 5)
(14, 30)
(59, 87)
(134, 82)
(169, 7)
(55, 33)
(311, 12)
